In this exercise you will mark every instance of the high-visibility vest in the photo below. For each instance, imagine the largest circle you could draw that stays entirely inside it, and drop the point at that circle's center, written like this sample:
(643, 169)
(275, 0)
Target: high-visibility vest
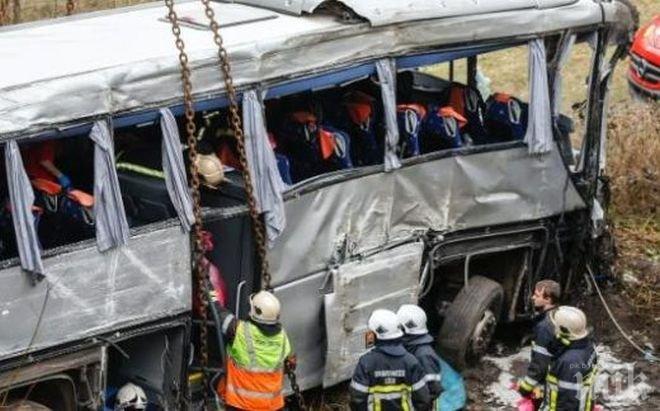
(255, 369)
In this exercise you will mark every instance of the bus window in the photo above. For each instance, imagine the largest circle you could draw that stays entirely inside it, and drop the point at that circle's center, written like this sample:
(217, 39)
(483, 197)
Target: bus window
(61, 174)
(573, 98)
(318, 132)
(439, 108)
(139, 162)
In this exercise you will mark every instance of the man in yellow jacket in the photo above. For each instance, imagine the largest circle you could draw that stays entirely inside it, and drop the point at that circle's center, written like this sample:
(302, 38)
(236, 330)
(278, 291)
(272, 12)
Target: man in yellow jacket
(256, 352)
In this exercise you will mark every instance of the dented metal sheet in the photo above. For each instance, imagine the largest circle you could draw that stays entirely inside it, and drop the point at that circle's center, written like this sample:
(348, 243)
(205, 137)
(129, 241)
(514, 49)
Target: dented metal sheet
(385, 280)
(383, 12)
(380, 13)
(457, 192)
(87, 293)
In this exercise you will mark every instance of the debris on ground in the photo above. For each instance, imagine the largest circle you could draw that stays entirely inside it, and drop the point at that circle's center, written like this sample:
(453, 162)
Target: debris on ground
(619, 386)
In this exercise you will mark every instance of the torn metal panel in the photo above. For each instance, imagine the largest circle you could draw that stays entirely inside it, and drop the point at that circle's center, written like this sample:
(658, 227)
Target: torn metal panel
(51, 367)
(383, 12)
(380, 13)
(385, 280)
(456, 192)
(83, 81)
(87, 292)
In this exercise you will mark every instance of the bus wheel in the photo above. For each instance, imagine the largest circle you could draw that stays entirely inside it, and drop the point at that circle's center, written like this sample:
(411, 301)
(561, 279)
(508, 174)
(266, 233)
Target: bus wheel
(470, 322)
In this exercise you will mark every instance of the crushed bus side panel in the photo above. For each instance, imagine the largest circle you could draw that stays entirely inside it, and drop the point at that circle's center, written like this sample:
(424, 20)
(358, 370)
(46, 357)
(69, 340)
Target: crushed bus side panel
(86, 292)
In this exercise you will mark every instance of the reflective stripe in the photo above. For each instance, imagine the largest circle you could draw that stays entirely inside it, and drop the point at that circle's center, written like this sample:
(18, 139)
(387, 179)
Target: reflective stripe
(359, 387)
(227, 322)
(528, 383)
(138, 169)
(419, 384)
(388, 396)
(384, 389)
(554, 391)
(432, 377)
(541, 350)
(254, 394)
(569, 385)
(531, 381)
(378, 393)
(252, 356)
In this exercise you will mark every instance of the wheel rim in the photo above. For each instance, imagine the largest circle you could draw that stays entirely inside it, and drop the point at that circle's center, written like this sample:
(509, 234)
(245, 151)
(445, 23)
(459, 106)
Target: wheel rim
(482, 335)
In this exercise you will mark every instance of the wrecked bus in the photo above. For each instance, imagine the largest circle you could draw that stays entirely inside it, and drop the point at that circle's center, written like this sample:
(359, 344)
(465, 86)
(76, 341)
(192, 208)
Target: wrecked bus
(385, 171)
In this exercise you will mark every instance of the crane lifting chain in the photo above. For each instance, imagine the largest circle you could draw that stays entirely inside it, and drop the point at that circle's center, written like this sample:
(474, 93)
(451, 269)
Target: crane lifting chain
(70, 6)
(257, 223)
(258, 227)
(198, 252)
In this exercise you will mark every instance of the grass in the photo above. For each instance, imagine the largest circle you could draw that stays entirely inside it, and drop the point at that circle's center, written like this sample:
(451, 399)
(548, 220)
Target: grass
(31, 10)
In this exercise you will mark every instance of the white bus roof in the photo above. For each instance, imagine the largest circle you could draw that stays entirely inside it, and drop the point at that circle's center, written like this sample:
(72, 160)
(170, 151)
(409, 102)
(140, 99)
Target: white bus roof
(69, 71)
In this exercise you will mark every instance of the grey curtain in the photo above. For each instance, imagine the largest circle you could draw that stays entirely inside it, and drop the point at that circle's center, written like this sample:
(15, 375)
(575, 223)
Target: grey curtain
(266, 180)
(175, 171)
(21, 197)
(111, 225)
(539, 125)
(386, 69)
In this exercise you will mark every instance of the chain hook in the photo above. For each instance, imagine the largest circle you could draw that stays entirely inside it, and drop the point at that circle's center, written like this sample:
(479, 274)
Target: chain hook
(259, 229)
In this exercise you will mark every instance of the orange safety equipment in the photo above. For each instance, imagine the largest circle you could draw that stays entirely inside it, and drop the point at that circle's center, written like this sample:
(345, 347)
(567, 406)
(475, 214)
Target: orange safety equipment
(255, 369)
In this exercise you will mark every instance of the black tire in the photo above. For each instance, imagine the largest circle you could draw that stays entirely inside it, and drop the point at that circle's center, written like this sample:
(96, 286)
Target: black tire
(479, 303)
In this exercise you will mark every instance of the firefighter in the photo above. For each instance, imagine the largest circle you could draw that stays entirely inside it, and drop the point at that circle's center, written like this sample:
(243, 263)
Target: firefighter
(419, 343)
(210, 169)
(545, 298)
(130, 397)
(256, 352)
(388, 377)
(569, 382)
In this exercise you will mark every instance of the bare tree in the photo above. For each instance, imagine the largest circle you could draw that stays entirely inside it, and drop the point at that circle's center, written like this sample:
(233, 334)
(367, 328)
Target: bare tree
(17, 11)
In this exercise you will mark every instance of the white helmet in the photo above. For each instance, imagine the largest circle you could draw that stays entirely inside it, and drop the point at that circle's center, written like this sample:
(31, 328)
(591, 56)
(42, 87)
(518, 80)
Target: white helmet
(210, 169)
(413, 319)
(570, 322)
(264, 308)
(130, 397)
(385, 324)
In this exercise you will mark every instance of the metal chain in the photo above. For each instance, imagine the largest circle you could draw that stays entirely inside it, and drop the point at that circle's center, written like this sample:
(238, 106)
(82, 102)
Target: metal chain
(237, 128)
(293, 381)
(257, 224)
(197, 238)
(70, 6)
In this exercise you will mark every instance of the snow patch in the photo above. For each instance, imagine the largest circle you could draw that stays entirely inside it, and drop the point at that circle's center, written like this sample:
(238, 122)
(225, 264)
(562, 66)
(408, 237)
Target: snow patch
(618, 386)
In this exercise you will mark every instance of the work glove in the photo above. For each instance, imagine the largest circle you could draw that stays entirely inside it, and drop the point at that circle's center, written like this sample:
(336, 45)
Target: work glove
(64, 181)
(291, 362)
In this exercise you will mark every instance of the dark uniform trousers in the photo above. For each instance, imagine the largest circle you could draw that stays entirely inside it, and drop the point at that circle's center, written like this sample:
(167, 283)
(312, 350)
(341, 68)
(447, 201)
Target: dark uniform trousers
(389, 378)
